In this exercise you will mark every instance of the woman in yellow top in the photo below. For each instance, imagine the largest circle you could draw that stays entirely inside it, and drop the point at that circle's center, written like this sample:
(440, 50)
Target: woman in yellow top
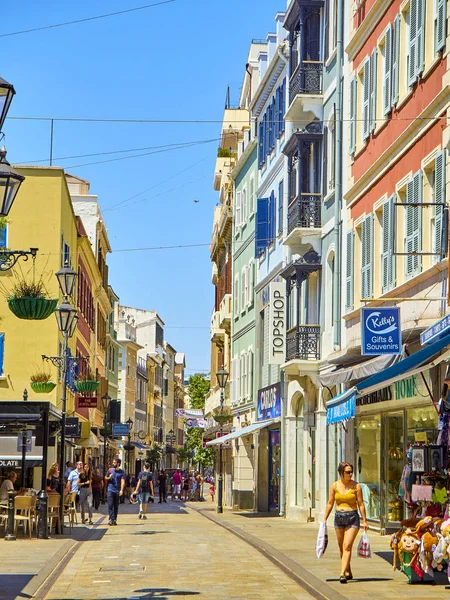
(347, 495)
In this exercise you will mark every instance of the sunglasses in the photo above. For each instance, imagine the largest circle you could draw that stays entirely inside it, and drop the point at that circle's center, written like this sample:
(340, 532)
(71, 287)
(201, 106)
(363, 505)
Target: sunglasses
(349, 472)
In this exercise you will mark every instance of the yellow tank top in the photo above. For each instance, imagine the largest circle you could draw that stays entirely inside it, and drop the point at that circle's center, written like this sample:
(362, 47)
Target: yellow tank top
(345, 501)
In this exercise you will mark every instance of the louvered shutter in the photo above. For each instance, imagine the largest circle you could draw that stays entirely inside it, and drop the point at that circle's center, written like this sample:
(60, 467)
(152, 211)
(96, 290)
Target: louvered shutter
(272, 217)
(420, 46)
(243, 378)
(262, 225)
(236, 296)
(349, 272)
(352, 115)
(326, 31)
(274, 120)
(250, 375)
(251, 282)
(233, 382)
(439, 197)
(238, 379)
(264, 138)
(373, 91)
(388, 56)
(387, 256)
(325, 162)
(244, 207)
(413, 226)
(251, 197)
(395, 60)
(412, 73)
(440, 25)
(238, 210)
(243, 287)
(276, 100)
(366, 99)
(280, 206)
(366, 257)
(260, 144)
(282, 106)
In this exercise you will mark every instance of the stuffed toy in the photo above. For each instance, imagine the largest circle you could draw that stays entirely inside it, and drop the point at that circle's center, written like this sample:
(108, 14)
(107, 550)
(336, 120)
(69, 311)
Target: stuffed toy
(404, 542)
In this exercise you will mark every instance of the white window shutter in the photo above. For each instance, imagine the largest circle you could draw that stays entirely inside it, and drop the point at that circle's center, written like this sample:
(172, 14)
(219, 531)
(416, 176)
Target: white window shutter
(387, 80)
(233, 382)
(420, 47)
(439, 198)
(395, 62)
(353, 99)
(366, 256)
(349, 272)
(250, 375)
(244, 207)
(243, 288)
(238, 379)
(373, 90)
(413, 225)
(366, 100)
(238, 210)
(251, 282)
(236, 295)
(440, 30)
(251, 197)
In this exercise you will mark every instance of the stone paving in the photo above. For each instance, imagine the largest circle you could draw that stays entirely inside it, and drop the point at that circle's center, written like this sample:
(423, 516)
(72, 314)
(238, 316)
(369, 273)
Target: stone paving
(176, 552)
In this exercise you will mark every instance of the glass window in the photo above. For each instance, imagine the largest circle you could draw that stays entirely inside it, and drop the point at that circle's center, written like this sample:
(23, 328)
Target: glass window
(421, 423)
(367, 468)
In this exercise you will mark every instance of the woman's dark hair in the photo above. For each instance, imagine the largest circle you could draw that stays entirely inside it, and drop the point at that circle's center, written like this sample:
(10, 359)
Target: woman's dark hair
(342, 466)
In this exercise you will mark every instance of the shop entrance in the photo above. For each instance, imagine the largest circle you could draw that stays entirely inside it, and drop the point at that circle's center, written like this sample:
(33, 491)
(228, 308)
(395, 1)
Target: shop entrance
(274, 469)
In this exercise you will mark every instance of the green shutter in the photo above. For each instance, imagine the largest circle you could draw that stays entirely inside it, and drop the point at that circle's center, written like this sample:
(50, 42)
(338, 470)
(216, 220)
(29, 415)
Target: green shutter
(440, 25)
(395, 61)
(349, 275)
(413, 225)
(420, 37)
(353, 100)
(366, 257)
(366, 99)
(439, 197)
(388, 241)
(373, 91)
(387, 79)
(412, 73)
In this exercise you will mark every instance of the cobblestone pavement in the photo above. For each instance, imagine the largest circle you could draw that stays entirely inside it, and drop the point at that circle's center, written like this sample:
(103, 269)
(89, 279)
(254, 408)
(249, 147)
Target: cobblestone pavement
(176, 552)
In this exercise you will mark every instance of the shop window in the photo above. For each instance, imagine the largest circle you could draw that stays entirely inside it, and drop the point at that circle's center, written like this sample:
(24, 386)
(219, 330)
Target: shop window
(368, 452)
(421, 425)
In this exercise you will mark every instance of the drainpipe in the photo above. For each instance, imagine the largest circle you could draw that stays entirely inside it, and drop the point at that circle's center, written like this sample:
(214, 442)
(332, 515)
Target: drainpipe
(338, 174)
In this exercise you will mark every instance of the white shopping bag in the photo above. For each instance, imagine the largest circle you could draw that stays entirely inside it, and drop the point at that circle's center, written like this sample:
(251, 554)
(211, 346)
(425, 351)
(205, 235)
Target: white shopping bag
(364, 546)
(322, 540)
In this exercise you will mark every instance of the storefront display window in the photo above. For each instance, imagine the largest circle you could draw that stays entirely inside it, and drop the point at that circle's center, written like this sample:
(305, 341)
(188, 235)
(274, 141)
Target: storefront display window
(274, 468)
(368, 445)
(394, 467)
(422, 425)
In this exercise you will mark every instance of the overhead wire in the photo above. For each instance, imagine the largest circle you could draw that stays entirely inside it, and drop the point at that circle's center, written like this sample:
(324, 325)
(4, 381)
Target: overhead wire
(104, 16)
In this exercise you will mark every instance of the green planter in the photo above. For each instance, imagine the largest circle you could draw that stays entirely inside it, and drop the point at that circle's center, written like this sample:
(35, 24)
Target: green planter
(223, 418)
(87, 386)
(36, 309)
(42, 387)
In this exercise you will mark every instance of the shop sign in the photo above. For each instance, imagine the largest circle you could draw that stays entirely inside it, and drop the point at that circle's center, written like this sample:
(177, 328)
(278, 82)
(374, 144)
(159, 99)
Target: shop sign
(28, 441)
(435, 330)
(87, 402)
(277, 323)
(405, 388)
(269, 402)
(120, 429)
(73, 427)
(9, 463)
(380, 331)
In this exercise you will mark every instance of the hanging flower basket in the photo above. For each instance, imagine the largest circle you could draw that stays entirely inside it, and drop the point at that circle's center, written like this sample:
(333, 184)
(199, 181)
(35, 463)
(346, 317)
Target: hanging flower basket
(42, 387)
(26, 307)
(223, 418)
(86, 386)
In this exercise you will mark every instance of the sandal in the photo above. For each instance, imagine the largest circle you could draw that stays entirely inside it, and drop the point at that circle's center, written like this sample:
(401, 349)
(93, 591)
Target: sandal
(348, 575)
(343, 579)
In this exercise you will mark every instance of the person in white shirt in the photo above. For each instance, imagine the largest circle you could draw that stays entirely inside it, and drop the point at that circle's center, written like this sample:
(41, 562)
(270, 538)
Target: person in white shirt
(7, 486)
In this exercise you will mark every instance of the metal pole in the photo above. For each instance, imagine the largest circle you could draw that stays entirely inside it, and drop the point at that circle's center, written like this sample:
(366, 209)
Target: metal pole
(43, 497)
(220, 477)
(10, 524)
(283, 448)
(62, 457)
(104, 459)
(24, 456)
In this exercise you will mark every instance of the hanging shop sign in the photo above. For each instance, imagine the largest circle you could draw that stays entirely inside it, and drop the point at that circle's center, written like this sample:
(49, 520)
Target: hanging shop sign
(277, 323)
(380, 331)
(120, 429)
(198, 423)
(73, 427)
(435, 330)
(189, 413)
(87, 402)
(269, 402)
(26, 440)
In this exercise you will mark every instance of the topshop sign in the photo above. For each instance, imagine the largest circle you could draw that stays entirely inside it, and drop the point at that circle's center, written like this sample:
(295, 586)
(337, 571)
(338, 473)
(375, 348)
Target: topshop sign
(277, 323)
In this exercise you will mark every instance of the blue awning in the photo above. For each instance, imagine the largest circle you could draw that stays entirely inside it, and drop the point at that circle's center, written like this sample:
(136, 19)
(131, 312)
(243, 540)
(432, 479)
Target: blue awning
(138, 445)
(341, 407)
(419, 360)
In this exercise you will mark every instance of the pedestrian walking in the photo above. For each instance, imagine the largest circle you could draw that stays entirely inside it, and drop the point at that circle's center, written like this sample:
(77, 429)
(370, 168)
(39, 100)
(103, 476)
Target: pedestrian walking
(186, 487)
(72, 480)
(162, 484)
(212, 490)
(97, 488)
(347, 495)
(116, 485)
(85, 486)
(177, 485)
(144, 489)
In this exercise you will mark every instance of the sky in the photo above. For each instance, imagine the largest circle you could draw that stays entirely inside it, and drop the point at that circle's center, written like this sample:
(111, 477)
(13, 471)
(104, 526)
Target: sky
(169, 62)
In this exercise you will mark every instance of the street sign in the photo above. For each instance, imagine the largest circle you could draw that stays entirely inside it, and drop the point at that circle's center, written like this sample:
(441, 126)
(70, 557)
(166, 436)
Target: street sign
(120, 429)
(28, 441)
(73, 427)
(435, 330)
(380, 331)
(87, 402)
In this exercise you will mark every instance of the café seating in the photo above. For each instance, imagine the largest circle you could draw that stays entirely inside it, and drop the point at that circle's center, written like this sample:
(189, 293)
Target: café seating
(24, 513)
(70, 509)
(54, 501)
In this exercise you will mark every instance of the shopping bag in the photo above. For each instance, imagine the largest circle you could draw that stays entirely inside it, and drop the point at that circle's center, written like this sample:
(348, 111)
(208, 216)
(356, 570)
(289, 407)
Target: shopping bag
(322, 540)
(364, 546)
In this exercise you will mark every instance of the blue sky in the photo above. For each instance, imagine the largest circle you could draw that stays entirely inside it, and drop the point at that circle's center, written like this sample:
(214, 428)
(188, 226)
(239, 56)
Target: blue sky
(168, 62)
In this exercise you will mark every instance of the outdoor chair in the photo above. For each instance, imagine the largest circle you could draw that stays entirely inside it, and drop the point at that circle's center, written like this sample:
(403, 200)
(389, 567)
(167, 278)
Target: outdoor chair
(70, 509)
(54, 501)
(24, 513)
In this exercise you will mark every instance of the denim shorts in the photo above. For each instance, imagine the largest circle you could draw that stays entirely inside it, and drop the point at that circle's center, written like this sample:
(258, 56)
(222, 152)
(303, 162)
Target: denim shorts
(346, 519)
(143, 497)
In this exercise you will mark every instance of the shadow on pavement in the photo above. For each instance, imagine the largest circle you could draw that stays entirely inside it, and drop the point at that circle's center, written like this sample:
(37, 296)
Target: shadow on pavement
(161, 593)
(440, 577)
(12, 586)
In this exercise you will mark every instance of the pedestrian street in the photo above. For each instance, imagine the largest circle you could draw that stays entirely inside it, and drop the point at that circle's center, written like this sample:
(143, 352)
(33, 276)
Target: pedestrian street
(175, 552)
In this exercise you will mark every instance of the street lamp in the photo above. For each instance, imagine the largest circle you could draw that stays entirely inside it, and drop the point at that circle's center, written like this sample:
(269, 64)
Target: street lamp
(106, 399)
(7, 92)
(10, 182)
(66, 279)
(222, 378)
(128, 447)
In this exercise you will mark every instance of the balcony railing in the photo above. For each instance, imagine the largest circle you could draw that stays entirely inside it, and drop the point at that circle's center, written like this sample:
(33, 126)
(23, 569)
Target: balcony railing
(307, 79)
(303, 342)
(304, 212)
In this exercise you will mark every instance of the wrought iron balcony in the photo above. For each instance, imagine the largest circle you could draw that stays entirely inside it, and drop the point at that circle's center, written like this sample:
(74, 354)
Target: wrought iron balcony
(303, 342)
(304, 212)
(306, 79)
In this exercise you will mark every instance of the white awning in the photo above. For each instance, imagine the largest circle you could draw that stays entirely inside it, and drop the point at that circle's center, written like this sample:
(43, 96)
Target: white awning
(90, 442)
(241, 432)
